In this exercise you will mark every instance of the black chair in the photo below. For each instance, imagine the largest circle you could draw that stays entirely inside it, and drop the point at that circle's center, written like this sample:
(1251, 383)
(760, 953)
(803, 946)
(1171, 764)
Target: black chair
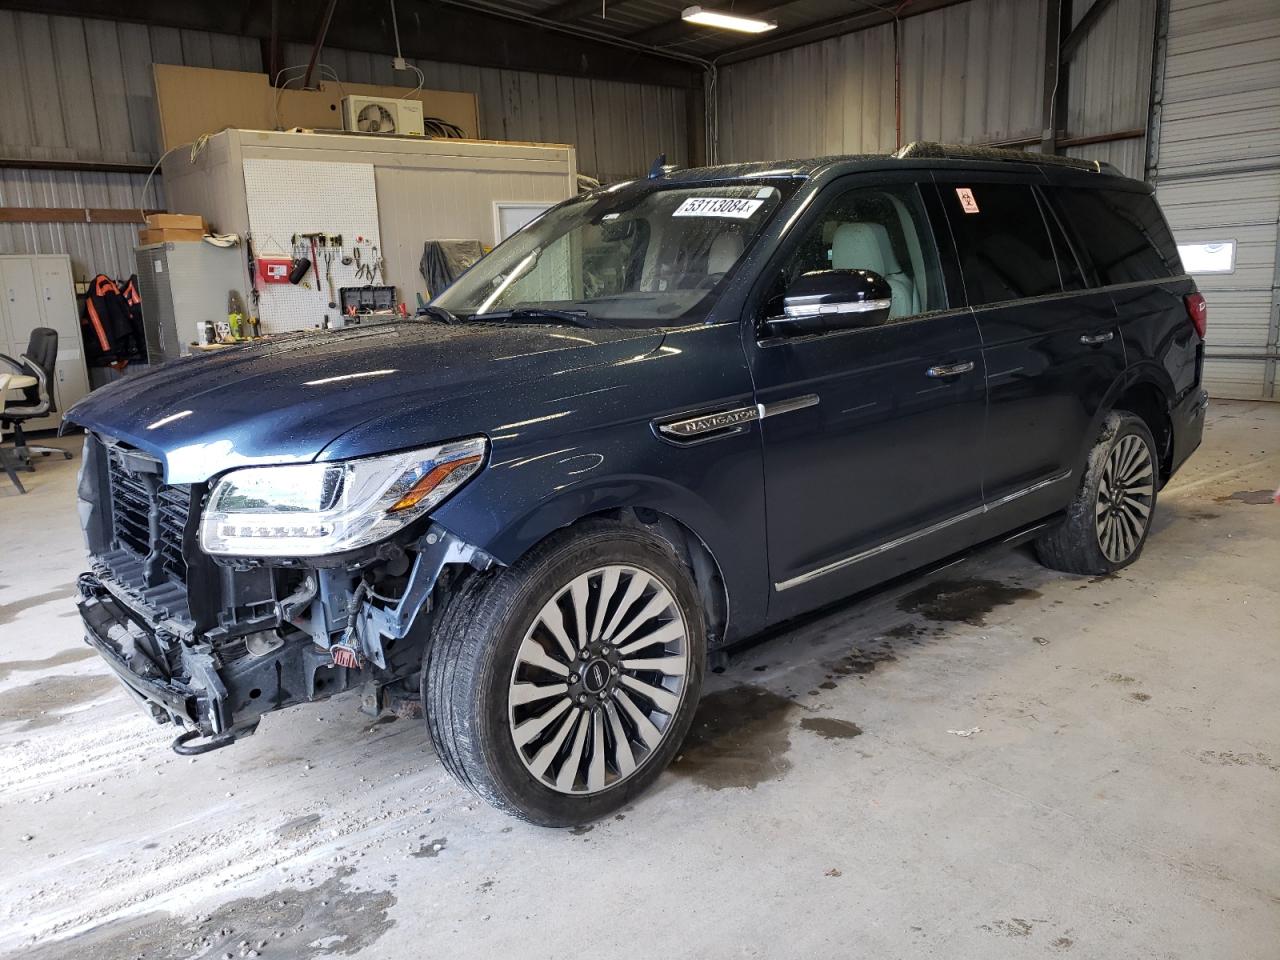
(37, 401)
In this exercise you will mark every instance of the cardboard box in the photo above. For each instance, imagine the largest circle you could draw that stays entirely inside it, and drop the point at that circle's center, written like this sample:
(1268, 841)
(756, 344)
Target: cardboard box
(177, 221)
(168, 235)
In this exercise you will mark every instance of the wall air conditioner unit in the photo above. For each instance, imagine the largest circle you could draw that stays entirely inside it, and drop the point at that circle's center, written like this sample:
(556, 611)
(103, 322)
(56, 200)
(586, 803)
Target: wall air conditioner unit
(382, 115)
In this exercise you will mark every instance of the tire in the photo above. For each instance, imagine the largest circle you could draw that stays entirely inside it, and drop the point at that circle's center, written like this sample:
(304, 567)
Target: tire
(1108, 521)
(611, 726)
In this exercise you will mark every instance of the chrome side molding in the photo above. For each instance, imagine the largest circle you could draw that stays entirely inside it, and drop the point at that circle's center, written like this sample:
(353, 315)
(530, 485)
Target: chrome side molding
(790, 405)
(918, 534)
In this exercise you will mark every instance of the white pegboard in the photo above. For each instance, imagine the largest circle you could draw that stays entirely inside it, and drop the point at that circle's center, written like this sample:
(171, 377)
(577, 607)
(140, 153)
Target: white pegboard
(290, 197)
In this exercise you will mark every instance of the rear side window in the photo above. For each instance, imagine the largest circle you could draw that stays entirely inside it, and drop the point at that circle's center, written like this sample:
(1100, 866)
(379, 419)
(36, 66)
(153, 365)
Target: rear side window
(1121, 233)
(1004, 247)
(1068, 265)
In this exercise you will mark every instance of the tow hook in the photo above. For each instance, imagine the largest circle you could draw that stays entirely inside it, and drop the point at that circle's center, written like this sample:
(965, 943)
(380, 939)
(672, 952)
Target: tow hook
(180, 744)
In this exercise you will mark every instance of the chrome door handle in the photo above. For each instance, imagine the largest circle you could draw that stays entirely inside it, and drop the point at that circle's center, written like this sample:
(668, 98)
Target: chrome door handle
(949, 369)
(1093, 339)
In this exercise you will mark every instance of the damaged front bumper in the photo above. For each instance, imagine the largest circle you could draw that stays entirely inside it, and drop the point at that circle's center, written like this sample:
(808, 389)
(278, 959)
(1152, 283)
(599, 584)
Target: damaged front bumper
(333, 633)
(195, 685)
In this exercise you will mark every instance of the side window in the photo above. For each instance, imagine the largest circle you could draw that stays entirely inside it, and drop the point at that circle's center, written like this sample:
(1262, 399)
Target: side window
(1122, 233)
(1003, 243)
(882, 229)
(1069, 268)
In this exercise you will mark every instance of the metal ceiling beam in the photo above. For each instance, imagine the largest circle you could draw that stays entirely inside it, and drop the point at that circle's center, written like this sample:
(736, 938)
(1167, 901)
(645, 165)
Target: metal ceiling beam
(316, 47)
(874, 17)
(429, 29)
(1083, 28)
(1054, 73)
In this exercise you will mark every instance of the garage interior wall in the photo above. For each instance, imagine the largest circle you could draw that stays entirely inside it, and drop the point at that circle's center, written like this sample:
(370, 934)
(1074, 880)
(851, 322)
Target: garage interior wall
(971, 73)
(1217, 175)
(80, 90)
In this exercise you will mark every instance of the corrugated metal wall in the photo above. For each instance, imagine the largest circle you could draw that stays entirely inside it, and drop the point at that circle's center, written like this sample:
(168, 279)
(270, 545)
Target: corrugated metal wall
(73, 89)
(81, 90)
(1218, 176)
(93, 247)
(971, 73)
(1109, 86)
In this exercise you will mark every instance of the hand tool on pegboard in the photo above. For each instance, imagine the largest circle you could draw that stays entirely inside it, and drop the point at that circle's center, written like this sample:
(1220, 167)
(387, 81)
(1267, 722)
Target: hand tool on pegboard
(315, 259)
(328, 275)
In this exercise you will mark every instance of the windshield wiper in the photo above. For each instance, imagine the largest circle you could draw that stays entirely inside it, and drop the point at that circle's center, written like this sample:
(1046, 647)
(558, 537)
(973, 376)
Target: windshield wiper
(438, 313)
(577, 318)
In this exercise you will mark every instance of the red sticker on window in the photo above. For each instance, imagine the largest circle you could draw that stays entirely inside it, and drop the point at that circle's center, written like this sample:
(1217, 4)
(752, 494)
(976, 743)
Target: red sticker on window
(967, 203)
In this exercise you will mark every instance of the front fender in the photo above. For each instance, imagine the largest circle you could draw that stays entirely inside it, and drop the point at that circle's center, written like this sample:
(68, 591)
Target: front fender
(715, 490)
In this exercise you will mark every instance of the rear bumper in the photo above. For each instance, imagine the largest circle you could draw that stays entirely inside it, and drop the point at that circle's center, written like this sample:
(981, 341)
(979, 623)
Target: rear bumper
(1188, 427)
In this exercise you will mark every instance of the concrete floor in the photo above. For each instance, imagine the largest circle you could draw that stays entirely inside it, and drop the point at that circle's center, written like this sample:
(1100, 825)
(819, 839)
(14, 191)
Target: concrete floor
(1119, 797)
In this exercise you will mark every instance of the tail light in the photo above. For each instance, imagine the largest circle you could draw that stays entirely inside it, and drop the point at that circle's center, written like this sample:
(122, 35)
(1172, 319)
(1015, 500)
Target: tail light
(1197, 312)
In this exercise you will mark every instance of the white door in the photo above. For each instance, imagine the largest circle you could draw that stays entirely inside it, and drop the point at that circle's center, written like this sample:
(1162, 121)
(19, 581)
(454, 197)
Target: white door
(1218, 181)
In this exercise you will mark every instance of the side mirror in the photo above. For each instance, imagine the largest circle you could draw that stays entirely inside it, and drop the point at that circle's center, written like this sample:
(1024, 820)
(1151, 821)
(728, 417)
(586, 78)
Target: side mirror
(833, 300)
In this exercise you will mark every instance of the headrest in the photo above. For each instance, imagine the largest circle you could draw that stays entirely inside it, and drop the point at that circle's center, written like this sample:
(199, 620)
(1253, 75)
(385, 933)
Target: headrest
(859, 246)
(725, 250)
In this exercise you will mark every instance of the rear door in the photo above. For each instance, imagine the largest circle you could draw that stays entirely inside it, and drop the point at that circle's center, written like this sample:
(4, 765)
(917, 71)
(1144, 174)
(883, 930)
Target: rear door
(1050, 344)
(872, 436)
(1125, 245)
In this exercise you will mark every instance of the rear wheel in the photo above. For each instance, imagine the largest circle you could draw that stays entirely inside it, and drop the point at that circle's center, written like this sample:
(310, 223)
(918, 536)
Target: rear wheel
(1108, 521)
(558, 689)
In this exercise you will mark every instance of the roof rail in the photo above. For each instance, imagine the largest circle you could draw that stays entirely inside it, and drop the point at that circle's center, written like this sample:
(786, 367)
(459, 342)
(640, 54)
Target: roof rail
(928, 150)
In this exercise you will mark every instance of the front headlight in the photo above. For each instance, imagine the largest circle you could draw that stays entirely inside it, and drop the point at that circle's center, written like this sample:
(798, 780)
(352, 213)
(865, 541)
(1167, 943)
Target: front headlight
(312, 509)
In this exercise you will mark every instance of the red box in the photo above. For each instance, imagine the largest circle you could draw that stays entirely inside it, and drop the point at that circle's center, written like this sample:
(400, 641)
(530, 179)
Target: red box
(274, 269)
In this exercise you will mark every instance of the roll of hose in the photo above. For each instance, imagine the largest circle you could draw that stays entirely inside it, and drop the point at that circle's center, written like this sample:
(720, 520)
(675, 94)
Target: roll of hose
(300, 268)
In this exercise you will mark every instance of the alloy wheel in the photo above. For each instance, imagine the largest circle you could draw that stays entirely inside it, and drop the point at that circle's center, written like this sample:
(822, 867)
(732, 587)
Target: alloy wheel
(1126, 495)
(598, 679)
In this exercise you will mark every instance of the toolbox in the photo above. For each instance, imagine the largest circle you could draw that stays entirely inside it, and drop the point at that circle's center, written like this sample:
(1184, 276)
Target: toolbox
(367, 299)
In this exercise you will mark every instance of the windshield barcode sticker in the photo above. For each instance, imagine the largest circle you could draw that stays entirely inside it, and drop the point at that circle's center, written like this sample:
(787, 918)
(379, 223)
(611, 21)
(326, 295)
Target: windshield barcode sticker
(731, 207)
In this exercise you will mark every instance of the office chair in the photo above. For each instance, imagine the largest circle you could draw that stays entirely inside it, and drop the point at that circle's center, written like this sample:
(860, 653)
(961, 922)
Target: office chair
(38, 362)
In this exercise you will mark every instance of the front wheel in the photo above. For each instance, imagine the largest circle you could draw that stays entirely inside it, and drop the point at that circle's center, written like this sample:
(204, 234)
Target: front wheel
(558, 689)
(1107, 522)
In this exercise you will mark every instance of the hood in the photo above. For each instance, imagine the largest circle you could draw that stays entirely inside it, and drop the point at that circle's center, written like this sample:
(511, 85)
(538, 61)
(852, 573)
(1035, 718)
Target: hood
(284, 401)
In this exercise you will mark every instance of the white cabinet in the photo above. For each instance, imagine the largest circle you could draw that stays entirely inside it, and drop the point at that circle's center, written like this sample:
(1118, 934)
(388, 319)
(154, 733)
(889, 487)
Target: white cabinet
(37, 291)
(18, 277)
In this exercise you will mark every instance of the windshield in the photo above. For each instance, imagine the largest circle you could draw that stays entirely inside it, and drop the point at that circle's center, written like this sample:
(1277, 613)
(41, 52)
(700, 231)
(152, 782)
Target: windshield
(634, 258)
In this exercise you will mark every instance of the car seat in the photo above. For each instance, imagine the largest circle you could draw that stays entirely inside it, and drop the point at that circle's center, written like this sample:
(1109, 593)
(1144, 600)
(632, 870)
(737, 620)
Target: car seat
(725, 250)
(866, 246)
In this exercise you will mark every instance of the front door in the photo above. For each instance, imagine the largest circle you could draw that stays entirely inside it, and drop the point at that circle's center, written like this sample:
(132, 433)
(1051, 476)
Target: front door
(872, 436)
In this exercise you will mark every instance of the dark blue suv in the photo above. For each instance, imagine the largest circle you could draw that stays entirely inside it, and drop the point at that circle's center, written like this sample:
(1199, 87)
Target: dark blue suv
(660, 418)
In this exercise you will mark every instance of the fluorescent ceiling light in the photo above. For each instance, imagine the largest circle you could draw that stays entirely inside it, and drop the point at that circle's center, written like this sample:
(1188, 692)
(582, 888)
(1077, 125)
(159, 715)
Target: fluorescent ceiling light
(726, 21)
